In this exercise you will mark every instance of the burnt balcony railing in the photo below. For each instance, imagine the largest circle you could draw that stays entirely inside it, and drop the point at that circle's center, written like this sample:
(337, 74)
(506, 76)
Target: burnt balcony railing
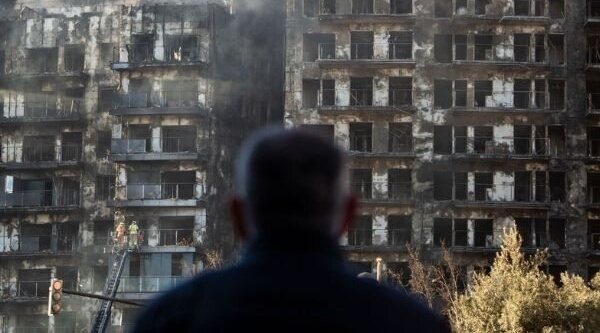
(361, 51)
(327, 51)
(41, 153)
(25, 289)
(148, 284)
(400, 50)
(361, 143)
(182, 54)
(400, 97)
(363, 237)
(170, 237)
(163, 191)
(361, 97)
(386, 191)
(158, 145)
(166, 99)
(525, 146)
(42, 243)
(498, 193)
(140, 52)
(47, 110)
(144, 53)
(40, 199)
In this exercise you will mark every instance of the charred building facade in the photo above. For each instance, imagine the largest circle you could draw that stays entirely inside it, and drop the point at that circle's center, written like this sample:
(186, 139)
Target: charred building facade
(118, 106)
(461, 118)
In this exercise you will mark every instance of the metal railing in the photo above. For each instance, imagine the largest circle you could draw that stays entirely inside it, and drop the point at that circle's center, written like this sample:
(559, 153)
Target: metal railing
(140, 52)
(180, 54)
(505, 193)
(529, 8)
(169, 237)
(363, 237)
(148, 284)
(49, 108)
(25, 289)
(400, 96)
(361, 50)
(163, 191)
(166, 99)
(40, 199)
(595, 241)
(41, 153)
(157, 145)
(38, 243)
(326, 51)
(145, 53)
(361, 143)
(504, 146)
(535, 100)
(393, 191)
(399, 50)
(361, 97)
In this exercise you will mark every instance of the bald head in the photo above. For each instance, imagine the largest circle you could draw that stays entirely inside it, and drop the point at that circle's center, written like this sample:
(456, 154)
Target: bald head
(290, 179)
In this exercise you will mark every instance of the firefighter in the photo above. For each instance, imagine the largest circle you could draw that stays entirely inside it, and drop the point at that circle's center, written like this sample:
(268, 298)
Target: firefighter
(120, 233)
(133, 235)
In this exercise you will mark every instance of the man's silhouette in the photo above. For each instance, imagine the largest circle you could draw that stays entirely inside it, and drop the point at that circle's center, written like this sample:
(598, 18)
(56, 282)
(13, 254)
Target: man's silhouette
(292, 204)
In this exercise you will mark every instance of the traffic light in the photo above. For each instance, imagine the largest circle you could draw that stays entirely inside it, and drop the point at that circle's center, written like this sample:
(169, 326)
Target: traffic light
(55, 297)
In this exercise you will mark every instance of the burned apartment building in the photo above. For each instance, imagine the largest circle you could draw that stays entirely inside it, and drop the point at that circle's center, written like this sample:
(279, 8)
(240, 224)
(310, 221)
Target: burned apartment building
(118, 106)
(461, 118)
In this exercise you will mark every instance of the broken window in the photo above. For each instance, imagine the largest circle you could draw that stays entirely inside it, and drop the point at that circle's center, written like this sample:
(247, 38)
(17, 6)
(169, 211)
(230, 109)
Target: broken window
(361, 137)
(540, 186)
(524, 7)
(182, 48)
(484, 47)
(328, 7)
(593, 7)
(481, 7)
(540, 94)
(42, 60)
(460, 7)
(522, 45)
(102, 231)
(139, 94)
(461, 185)
(361, 91)
(484, 233)
(593, 137)
(442, 232)
(593, 45)
(460, 93)
(556, 46)
(460, 139)
(483, 92)
(108, 98)
(484, 183)
(178, 185)
(557, 232)
(328, 92)
(593, 95)
(362, 232)
(483, 142)
(361, 44)
(522, 139)
(103, 144)
(69, 275)
(399, 230)
(70, 149)
(400, 6)
(311, 8)
(557, 186)
(442, 46)
(40, 105)
(362, 6)
(442, 185)
(319, 47)
(525, 229)
(594, 234)
(443, 8)
(540, 48)
(362, 183)
(310, 93)
(33, 283)
(139, 139)
(556, 140)
(400, 45)
(540, 140)
(400, 91)
(141, 49)
(541, 235)
(107, 54)
(400, 184)
(398, 274)
(460, 47)
(176, 231)
(593, 180)
(99, 278)
(461, 232)
(74, 58)
(557, 94)
(442, 140)
(400, 138)
(323, 131)
(105, 189)
(522, 186)
(179, 139)
(35, 237)
(39, 148)
(521, 94)
(179, 93)
(442, 94)
(556, 9)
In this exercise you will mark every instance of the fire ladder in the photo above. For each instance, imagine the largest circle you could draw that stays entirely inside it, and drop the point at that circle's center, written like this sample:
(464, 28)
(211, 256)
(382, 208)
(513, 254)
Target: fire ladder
(110, 290)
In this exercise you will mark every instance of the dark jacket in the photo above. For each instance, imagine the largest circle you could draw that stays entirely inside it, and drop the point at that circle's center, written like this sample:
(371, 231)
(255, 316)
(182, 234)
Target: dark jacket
(287, 285)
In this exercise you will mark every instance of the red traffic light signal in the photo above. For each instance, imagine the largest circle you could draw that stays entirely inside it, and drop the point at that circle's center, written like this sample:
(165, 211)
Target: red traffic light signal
(55, 297)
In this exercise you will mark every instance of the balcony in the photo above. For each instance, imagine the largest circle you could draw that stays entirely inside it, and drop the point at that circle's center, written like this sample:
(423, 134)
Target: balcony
(46, 112)
(50, 156)
(380, 239)
(160, 195)
(517, 102)
(331, 18)
(362, 56)
(158, 149)
(383, 192)
(144, 55)
(360, 147)
(146, 287)
(24, 291)
(171, 240)
(504, 148)
(167, 103)
(504, 196)
(43, 244)
(39, 200)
